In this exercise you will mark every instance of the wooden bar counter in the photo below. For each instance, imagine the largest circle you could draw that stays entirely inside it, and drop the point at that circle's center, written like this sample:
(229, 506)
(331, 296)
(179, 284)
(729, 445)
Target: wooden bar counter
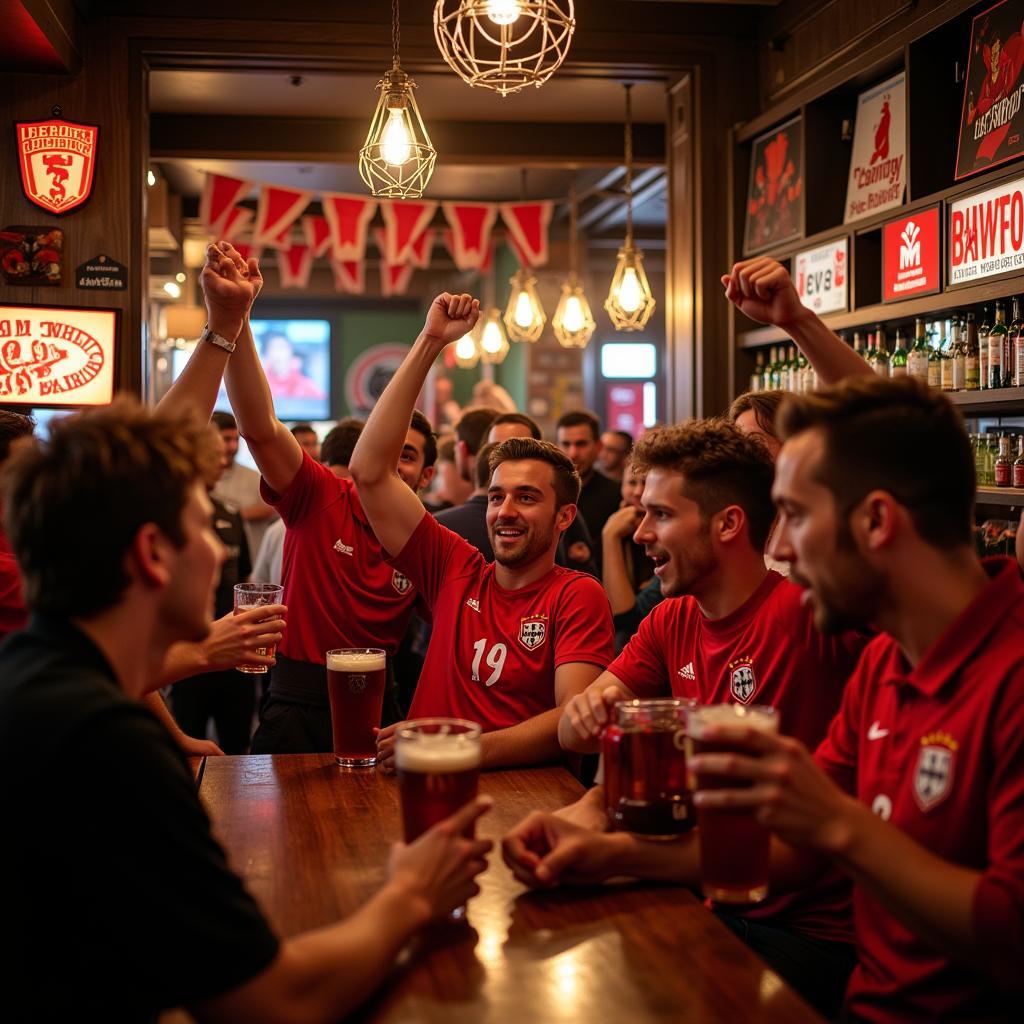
(311, 842)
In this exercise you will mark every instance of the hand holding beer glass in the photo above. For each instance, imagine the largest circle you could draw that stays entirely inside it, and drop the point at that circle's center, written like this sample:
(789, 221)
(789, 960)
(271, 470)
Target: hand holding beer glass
(257, 595)
(734, 845)
(355, 689)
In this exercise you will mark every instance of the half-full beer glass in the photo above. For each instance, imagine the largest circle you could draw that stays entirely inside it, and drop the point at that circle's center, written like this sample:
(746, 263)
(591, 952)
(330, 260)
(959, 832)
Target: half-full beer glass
(645, 768)
(254, 595)
(734, 847)
(355, 689)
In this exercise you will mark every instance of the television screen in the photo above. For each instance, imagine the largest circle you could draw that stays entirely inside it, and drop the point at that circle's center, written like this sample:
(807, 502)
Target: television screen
(296, 357)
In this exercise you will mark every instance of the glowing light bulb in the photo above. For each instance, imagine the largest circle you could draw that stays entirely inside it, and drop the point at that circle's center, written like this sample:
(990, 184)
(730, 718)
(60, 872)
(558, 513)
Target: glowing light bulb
(395, 145)
(173, 289)
(465, 347)
(524, 311)
(572, 319)
(503, 12)
(491, 339)
(630, 294)
(150, 178)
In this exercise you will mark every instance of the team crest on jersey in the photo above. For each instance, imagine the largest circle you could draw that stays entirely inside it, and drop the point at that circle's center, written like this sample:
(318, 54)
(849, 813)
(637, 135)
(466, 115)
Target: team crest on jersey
(533, 631)
(401, 583)
(933, 775)
(742, 683)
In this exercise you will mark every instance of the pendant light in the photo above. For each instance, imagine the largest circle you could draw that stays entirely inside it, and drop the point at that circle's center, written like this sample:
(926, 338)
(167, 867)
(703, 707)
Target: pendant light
(467, 354)
(524, 315)
(504, 45)
(491, 338)
(630, 302)
(397, 159)
(573, 323)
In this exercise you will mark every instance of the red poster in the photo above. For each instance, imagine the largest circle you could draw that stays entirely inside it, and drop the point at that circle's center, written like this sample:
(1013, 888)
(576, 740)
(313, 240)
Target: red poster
(625, 406)
(910, 255)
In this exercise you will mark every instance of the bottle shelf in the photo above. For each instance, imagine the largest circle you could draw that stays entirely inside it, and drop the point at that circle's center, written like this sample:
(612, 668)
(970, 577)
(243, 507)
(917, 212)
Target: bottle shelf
(990, 402)
(1007, 497)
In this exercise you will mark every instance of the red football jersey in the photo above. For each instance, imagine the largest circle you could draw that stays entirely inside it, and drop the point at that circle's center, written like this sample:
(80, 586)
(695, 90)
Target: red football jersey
(339, 590)
(493, 652)
(938, 750)
(768, 651)
(13, 613)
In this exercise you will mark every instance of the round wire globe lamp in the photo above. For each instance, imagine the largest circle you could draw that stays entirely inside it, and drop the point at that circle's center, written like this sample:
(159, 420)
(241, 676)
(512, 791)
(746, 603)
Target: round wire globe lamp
(504, 45)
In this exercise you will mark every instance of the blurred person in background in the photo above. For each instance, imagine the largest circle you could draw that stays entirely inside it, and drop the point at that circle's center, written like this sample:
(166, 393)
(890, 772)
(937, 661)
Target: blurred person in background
(615, 448)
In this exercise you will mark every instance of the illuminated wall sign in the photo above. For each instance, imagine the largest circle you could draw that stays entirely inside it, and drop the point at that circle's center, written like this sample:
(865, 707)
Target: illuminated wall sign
(55, 356)
(822, 276)
(58, 162)
(986, 233)
(910, 255)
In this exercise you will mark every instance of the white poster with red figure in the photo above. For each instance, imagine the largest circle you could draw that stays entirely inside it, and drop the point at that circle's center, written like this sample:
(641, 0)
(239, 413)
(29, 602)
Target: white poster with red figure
(986, 233)
(878, 167)
(822, 276)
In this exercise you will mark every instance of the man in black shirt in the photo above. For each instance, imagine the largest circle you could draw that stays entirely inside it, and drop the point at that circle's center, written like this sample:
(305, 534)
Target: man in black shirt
(119, 900)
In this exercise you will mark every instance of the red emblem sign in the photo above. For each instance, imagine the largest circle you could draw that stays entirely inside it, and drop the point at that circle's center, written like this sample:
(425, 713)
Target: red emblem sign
(910, 255)
(58, 162)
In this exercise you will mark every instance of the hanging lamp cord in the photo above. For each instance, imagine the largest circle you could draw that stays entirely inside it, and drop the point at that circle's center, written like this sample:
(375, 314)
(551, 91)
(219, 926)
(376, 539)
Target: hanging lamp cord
(572, 229)
(629, 165)
(396, 33)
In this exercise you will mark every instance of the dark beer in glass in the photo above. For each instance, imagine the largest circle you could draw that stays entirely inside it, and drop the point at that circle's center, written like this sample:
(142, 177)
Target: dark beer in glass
(645, 768)
(355, 689)
(734, 846)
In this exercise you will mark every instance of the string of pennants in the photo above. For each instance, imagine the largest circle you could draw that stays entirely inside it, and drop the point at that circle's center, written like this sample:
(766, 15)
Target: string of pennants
(340, 234)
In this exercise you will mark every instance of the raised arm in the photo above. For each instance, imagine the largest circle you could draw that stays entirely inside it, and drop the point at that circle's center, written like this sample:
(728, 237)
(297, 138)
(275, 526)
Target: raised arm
(762, 290)
(393, 509)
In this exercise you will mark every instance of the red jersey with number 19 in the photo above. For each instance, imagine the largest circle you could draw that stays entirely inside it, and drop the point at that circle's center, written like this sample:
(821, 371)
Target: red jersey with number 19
(493, 652)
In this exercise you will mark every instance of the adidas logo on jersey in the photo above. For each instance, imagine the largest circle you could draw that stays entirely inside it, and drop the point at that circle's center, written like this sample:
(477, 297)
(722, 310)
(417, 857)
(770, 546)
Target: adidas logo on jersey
(687, 671)
(343, 549)
(474, 604)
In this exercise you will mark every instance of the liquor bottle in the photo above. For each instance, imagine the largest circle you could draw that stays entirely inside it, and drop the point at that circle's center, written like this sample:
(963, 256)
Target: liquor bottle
(996, 343)
(881, 354)
(898, 362)
(956, 328)
(1018, 464)
(791, 382)
(948, 355)
(757, 377)
(766, 378)
(1010, 345)
(1003, 463)
(803, 374)
(983, 328)
(917, 357)
(972, 371)
(934, 357)
(1017, 339)
(858, 345)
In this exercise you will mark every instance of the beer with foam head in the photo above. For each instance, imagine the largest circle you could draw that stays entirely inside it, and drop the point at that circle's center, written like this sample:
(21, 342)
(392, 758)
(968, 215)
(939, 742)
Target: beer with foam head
(734, 846)
(355, 689)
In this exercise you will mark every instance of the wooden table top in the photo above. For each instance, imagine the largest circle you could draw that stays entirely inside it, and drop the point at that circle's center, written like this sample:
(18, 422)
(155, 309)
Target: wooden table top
(311, 842)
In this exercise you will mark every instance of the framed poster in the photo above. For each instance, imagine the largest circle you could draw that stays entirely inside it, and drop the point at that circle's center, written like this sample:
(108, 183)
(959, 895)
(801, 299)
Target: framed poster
(57, 356)
(986, 233)
(775, 195)
(878, 165)
(822, 276)
(910, 255)
(991, 121)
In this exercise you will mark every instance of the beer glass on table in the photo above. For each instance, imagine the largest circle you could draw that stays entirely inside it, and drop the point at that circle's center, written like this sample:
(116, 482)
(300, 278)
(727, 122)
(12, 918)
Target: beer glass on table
(254, 595)
(645, 768)
(355, 690)
(734, 846)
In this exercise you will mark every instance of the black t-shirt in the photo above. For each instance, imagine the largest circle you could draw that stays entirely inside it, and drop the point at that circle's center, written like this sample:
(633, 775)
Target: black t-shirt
(119, 902)
(599, 498)
(237, 564)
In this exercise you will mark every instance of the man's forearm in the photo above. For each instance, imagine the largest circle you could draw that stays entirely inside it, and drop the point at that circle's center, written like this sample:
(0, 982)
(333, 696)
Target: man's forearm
(569, 740)
(534, 741)
(249, 392)
(195, 390)
(832, 359)
(183, 659)
(615, 577)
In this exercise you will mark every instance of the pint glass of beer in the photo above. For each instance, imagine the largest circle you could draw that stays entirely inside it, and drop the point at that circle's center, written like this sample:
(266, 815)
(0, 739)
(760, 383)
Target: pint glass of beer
(253, 595)
(438, 765)
(355, 689)
(645, 768)
(734, 847)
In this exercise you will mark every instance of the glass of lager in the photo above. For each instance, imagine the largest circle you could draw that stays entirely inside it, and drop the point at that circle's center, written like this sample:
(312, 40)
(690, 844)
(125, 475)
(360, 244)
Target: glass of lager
(254, 595)
(645, 768)
(355, 689)
(734, 847)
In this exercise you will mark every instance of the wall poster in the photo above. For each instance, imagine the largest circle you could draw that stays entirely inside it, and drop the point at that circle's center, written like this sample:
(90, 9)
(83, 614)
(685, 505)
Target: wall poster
(775, 196)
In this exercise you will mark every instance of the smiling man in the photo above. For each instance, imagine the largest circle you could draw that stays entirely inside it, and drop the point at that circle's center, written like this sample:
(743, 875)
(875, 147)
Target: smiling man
(515, 639)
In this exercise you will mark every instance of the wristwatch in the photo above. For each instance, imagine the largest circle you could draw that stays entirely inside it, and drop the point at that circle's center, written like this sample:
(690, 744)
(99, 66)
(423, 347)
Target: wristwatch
(216, 339)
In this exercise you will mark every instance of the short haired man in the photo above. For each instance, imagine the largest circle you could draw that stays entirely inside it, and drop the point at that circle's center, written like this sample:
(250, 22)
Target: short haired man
(579, 435)
(917, 792)
(107, 835)
(615, 448)
(340, 442)
(513, 424)
(470, 434)
(737, 632)
(512, 640)
(306, 436)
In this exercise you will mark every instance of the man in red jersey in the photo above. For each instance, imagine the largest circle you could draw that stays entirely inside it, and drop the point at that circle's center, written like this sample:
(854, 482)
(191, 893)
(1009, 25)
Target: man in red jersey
(737, 632)
(512, 640)
(338, 589)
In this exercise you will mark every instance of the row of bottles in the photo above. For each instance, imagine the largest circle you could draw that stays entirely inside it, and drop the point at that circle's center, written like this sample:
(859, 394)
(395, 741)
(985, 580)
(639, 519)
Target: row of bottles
(994, 464)
(786, 370)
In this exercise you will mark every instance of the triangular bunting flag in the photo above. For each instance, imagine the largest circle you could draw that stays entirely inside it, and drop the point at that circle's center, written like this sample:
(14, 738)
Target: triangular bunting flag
(248, 252)
(349, 219)
(294, 266)
(278, 209)
(282, 240)
(404, 222)
(421, 249)
(488, 262)
(528, 224)
(349, 276)
(236, 223)
(471, 225)
(517, 249)
(220, 194)
(317, 233)
(394, 278)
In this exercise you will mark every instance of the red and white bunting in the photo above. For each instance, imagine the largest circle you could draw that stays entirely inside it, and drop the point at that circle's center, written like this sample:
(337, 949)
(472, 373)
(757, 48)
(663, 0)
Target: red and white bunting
(247, 251)
(485, 267)
(236, 224)
(317, 233)
(294, 266)
(528, 225)
(220, 194)
(348, 217)
(422, 248)
(471, 225)
(394, 278)
(517, 249)
(349, 276)
(404, 222)
(277, 210)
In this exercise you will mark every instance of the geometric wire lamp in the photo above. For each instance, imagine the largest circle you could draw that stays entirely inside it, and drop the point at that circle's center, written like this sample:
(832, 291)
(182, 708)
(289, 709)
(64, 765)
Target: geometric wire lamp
(397, 158)
(630, 302)
(491, 338)
(504, 45)
(524, 315)
(573, 323)
(467, 354)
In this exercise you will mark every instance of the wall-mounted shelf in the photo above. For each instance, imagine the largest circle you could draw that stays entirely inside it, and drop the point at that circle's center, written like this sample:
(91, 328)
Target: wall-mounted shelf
(1005, 497)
